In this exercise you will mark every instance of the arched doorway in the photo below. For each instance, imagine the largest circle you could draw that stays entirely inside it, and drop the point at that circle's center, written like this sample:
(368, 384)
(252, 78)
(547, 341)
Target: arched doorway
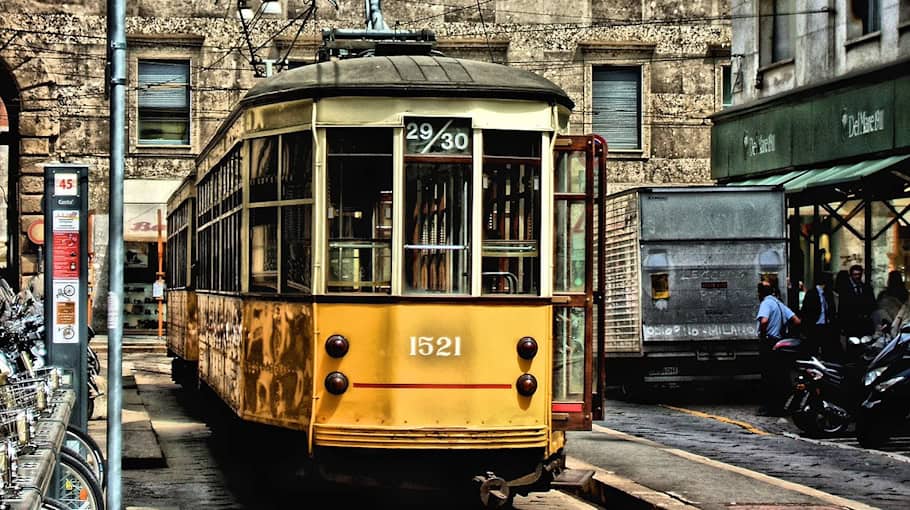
(9, 172)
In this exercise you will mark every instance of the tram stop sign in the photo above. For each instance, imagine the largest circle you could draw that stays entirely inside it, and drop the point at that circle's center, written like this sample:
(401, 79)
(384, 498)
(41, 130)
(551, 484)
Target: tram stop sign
(66, 278)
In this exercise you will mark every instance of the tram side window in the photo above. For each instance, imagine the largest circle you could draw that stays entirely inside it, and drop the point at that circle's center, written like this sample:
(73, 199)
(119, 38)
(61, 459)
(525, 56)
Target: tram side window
(359, 212)
(511, 212)
(297, 216)
(264, 250)
(264, 169)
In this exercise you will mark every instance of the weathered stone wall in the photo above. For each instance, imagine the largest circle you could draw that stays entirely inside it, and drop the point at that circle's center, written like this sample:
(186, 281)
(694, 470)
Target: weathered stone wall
(828, 42)
(55, 51)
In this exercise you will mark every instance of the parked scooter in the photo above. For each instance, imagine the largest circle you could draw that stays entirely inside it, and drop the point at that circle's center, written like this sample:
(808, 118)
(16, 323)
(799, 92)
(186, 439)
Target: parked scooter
(825, 394)
(887, 402)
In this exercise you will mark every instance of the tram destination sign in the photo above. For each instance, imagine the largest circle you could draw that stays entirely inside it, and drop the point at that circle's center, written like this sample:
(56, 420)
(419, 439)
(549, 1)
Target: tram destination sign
(437, 136)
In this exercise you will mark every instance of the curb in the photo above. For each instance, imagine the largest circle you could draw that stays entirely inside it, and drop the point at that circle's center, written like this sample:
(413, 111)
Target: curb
(611, 491)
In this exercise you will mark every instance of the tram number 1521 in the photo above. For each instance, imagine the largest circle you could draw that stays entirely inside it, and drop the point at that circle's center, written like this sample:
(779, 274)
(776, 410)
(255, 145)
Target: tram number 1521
(431, 346)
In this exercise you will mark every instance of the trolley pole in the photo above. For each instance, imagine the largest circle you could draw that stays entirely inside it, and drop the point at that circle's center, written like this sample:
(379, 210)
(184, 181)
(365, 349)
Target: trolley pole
(117, 52)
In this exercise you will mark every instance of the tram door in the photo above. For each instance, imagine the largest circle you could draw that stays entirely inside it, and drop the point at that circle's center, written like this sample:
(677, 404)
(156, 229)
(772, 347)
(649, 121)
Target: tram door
(575, 163)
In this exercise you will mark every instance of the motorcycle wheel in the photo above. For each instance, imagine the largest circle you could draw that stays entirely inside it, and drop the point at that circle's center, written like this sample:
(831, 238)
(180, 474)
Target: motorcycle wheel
(815, 423)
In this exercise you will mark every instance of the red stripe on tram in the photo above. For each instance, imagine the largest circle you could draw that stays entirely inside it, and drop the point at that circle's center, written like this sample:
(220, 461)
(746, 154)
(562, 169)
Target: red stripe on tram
(568, 408)
(408, 386)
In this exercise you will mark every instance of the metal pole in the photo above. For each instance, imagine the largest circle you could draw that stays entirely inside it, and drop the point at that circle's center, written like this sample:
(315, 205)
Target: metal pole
(117, 50)
(159, 276)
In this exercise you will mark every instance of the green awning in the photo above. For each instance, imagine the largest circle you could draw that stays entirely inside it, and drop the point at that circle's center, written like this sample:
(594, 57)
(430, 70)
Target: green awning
(841, 173)
(770, 180)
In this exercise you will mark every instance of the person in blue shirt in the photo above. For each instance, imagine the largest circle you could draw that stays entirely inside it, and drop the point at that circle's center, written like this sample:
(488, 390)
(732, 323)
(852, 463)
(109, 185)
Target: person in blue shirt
(773, 316)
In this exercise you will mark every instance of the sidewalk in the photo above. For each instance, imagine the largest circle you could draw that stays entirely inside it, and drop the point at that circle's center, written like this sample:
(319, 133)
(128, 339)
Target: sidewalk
(132, 343)
(630, 472)
(635, 473)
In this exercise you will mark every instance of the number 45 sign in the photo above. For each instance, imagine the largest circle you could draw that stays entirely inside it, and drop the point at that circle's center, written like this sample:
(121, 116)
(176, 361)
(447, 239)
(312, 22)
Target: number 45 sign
(429, 135)
(66, 184)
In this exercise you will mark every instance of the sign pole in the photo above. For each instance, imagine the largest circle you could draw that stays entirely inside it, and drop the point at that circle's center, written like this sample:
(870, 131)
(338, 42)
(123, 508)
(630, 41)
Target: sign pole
(65, 277)
(116, 25)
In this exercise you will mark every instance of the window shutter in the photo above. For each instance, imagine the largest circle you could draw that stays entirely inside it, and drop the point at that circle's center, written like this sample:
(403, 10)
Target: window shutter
(617, 106)
(164, 85)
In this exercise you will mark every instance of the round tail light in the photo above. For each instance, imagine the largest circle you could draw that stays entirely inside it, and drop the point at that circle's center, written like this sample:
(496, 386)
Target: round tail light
(337, 346)
(527, 348)
(526, 385)
(336, 383)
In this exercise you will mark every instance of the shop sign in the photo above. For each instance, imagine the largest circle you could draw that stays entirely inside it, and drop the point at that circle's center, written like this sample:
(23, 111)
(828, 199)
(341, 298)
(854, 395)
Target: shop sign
(862, 122)
(758, 144)
(818, 130)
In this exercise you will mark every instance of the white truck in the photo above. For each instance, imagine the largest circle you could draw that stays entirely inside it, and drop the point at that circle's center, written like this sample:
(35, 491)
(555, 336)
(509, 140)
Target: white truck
(682, 266)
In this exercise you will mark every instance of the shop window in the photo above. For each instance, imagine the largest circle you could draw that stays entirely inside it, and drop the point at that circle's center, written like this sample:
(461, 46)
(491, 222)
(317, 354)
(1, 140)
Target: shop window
(865, 18)
(777, 29)
(616, 99)
(164, 102)
(511, 213)
(264, 249)
(359, 214)
(437, 202)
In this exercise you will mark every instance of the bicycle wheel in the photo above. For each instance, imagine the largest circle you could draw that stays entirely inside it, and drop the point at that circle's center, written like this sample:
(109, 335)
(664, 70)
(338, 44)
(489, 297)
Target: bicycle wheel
(86, 448)
(75, 486)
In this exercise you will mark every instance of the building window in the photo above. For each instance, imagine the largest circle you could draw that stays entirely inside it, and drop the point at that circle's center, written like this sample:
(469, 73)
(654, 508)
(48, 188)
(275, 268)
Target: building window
(726, 86)
(616, 99)
(776, 30)
(867, 17)
(164, 102)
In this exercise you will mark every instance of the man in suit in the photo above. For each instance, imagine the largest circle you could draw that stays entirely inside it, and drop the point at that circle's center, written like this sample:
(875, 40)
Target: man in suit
(818, 314)
(856, 304)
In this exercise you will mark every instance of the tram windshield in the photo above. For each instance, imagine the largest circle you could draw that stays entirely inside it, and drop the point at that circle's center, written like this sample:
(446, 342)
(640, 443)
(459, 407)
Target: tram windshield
(511, 212)
(359, 210)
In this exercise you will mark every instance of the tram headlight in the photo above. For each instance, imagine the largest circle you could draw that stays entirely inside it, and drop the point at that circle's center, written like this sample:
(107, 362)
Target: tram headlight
(336, 383)
(337, 346)
(526, 385)
(527, 348)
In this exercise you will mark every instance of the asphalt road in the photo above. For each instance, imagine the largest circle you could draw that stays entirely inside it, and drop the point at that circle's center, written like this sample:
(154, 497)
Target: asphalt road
(725, 428)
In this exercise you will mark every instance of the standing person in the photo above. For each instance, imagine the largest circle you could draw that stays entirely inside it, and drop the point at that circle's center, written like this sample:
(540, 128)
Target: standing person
(856, 305)
(773, 317)
(892, 297)
(818, 313)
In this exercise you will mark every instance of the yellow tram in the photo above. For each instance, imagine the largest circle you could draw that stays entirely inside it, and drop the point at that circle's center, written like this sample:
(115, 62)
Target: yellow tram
(392, 255)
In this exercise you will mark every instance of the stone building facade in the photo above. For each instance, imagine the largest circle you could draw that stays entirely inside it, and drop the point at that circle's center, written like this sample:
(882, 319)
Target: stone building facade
(821, 93)
(669, 59)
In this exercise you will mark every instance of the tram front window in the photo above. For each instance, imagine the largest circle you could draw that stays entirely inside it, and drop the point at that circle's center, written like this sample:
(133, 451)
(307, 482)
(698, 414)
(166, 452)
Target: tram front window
(511, 212)
(359, 211)
(437, 205)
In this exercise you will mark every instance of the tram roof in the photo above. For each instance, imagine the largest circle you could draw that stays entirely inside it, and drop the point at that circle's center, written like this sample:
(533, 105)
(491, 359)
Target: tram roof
(406, 76)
